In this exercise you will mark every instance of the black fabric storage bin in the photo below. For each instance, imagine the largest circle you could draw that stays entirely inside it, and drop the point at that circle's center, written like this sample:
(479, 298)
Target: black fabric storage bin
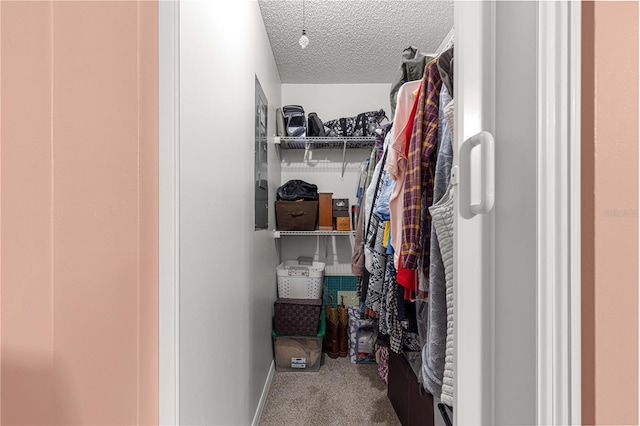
(296, 215)
(297, 316)
(413, 406)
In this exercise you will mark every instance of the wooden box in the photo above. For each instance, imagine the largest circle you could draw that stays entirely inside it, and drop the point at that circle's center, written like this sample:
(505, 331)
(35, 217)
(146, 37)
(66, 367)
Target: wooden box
(325, 210)
(296, 215)
(343, 223)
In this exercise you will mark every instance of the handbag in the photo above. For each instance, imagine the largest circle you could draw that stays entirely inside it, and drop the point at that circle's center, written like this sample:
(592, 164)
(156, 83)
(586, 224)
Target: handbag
(297, 189)
(315, 127)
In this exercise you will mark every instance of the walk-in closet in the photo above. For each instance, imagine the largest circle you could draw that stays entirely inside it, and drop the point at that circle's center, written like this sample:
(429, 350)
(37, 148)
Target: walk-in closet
(381, 264)
(342, 141)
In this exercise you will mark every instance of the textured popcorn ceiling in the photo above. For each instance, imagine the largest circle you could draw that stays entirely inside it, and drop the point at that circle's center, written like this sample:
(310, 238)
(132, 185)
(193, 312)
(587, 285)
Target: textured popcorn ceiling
(353, 41)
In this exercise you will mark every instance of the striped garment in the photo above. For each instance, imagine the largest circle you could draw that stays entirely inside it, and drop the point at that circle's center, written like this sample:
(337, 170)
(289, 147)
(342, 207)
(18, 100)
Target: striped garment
(420, 171)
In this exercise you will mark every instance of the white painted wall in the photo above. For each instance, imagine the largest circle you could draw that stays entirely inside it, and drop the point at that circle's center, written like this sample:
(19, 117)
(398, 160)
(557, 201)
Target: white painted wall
(329, 101)
(227, 270)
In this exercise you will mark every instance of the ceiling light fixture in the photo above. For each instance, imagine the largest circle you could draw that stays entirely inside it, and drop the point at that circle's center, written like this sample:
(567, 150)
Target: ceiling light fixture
(304, 40)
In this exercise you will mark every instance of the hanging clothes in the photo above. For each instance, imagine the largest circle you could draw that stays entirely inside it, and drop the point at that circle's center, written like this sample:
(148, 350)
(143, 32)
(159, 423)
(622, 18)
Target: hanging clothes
(414, 299)
(376, 262)
(375, 253)
(372, 264)
(446, 249)
(383, 316)
(433, 362)
(401, 336)
(358, 258)
(381, 135)
(445, 66)
(376, 184)
(411, 69)
(443, 222)
(381, 210)
(397, 166)
(420, 170)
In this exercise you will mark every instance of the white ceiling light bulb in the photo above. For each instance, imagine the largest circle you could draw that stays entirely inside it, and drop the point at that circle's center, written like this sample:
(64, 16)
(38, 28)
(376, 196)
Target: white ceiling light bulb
(304, 40)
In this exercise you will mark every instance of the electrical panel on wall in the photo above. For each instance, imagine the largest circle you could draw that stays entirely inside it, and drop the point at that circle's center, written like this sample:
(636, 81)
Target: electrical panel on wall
(261, 178)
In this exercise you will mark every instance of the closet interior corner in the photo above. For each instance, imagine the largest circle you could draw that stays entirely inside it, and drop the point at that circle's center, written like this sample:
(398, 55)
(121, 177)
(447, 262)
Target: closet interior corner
(362, 209)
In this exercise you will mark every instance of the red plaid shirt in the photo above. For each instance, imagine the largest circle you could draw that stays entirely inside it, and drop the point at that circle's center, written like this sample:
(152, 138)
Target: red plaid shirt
(420, 169)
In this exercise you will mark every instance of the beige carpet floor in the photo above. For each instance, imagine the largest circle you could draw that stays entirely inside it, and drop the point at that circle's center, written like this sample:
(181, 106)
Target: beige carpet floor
(340, 393)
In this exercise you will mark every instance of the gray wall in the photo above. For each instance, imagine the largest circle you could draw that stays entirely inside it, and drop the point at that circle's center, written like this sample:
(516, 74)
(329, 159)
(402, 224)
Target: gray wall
(227, 277)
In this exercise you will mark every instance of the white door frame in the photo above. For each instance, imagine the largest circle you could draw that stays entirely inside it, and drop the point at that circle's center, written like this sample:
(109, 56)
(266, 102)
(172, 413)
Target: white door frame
(558, 215)
(558, 301)
(169, 211)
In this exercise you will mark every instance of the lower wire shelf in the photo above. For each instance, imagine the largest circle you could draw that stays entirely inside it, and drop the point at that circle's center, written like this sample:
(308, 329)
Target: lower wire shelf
(278, 233)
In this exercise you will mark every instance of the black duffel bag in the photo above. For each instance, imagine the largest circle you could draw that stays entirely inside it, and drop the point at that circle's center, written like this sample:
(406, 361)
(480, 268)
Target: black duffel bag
(297, 190)
(364, 124)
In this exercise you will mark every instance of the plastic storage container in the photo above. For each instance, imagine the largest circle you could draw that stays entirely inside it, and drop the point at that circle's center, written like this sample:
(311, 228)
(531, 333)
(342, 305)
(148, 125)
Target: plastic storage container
(298, 353)
(298, 280)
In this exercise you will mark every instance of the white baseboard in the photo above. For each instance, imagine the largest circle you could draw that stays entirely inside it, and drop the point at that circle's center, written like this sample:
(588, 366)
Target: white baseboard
(263, 397)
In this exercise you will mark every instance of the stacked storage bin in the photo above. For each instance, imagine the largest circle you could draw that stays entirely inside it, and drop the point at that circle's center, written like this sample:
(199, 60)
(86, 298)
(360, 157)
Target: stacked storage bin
(299, 325)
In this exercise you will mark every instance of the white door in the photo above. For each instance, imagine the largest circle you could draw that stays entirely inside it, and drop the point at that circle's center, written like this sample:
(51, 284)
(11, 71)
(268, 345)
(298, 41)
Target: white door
(514, 222)
(474, 258)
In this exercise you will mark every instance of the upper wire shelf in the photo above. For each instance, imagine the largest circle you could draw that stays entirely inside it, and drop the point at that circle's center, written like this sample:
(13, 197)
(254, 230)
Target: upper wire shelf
(353, 142)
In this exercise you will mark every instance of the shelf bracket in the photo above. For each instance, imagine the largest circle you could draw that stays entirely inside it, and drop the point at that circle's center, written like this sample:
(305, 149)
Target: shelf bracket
(307, 150)
(326, 248)
(344, 156)
(276, 143)
(278, 244)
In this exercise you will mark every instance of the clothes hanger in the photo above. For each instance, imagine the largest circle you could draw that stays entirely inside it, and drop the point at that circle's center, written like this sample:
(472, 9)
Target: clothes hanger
(410, 49)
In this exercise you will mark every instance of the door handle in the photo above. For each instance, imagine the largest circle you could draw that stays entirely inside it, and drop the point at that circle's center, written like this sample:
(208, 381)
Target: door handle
(487, 164)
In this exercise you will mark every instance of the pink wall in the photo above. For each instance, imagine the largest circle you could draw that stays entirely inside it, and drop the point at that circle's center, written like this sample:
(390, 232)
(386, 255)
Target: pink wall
(610, 213)
(78, 212)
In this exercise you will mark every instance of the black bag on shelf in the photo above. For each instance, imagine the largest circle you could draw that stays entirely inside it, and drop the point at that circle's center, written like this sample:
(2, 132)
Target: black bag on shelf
(315, 127)
(295, 120)
(297, 190)
(364, 124)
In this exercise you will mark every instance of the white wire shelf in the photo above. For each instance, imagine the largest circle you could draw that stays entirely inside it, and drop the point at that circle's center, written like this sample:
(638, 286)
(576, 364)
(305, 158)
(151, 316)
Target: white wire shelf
(278, 234)
(311, 143)
(325, 142)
